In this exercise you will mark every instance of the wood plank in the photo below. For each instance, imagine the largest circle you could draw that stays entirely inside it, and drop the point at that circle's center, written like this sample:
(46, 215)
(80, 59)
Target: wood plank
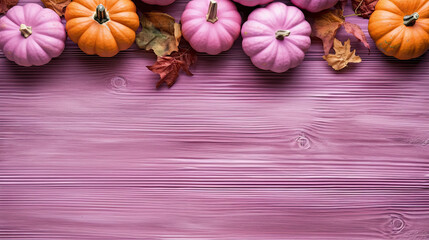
(89, 149)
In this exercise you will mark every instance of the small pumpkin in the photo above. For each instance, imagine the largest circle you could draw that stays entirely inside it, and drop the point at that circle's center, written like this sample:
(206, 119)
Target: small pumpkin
(314, 5)
(401, 28)
(211, 26)
(159, 2)
(277, 37)
(252, 3)
(31, 35)
(102, 27)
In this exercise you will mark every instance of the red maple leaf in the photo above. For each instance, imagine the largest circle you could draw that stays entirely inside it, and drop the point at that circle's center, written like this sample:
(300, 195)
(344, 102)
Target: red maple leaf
(168, 67)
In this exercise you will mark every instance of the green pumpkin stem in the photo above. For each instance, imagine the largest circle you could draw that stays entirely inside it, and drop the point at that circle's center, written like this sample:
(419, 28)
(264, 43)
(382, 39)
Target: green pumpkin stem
(410, 20)
(212, 12)
(25, 30)
(281, 34)
(101, 14)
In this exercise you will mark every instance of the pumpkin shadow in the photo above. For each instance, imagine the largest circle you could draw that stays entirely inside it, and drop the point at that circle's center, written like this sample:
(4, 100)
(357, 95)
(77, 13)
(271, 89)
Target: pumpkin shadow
(75, 65)
(33, 76)
(352, 68)
(409, 64)
(402, 71)
(267, 79)
(235, 61)
(274, 81)
(97, 68)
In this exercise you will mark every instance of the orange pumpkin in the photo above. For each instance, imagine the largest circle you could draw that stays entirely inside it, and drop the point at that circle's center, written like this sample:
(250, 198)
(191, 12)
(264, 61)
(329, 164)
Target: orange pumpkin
(102, 27)
(400, 28)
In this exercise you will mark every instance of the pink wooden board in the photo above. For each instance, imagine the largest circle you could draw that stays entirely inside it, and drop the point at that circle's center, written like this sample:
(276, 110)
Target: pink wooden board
(89, 149)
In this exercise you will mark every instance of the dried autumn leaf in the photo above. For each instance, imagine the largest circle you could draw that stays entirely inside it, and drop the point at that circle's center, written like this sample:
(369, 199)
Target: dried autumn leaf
(326, 26)
(357, 32)
(59, 6)
(160, 33)
(343, 56)
(168, 67)
(341, 4)
(6, 5)
(364, 8)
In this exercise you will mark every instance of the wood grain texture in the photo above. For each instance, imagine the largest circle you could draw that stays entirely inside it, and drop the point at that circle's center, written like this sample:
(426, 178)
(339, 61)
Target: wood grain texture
(89, 149)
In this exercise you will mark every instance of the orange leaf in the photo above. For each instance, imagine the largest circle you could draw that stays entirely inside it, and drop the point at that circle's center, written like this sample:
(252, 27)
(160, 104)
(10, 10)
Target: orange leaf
(59, 6)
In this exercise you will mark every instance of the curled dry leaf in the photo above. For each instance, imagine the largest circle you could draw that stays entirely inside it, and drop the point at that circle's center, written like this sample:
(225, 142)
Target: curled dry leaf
(343, 56)
(357, 32)
(364, 8)
(59, 6)
(327, 24)
(160, 33)
(168, 67)
(6, 5)
(341, 4)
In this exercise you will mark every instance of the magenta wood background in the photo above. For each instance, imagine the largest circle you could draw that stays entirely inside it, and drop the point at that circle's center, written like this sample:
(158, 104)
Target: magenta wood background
(89, 149)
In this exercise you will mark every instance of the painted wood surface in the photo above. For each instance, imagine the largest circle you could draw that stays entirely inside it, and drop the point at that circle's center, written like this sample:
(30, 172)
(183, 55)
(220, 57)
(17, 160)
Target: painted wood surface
(89, 149)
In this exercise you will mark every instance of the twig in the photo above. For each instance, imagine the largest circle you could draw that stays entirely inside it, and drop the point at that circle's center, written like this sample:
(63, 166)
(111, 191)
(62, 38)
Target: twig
(360, 4)
(351, 15)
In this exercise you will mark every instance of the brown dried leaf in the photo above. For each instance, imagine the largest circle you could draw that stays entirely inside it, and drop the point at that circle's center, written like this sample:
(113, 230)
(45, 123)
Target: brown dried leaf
(357, 32)
(341, 4)
(326, 25)
(168, 67)
(343, 56)
(160, 33)
(364, 7)
(6, 5)
(59, 6)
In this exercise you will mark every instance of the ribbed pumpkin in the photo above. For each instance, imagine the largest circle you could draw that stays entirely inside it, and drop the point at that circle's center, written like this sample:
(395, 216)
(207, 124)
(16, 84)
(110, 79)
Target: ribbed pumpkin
(31, 35)
(159, 2)
(314, 5)
(252, 3)
(277, 37)
(401, 28)
(102, 27)
(211, 26)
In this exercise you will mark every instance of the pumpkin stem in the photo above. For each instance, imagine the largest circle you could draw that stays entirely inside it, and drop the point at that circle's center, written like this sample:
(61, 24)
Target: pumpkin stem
(410, 20)
(25, 30)
(101, 14)
(212, 13)
(281, 34)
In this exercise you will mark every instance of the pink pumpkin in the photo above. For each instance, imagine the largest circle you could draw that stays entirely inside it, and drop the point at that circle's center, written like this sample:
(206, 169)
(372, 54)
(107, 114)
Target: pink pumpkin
(314, 5)
(211, 26)
(31, 35)
(277, 37)
(252, 3)
(159, 2)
